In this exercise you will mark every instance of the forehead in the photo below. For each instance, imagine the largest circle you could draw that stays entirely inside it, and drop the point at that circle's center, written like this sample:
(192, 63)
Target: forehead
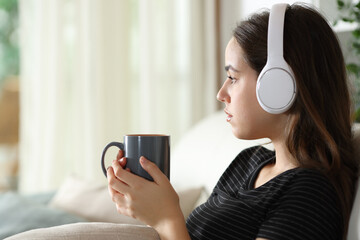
(234, 54)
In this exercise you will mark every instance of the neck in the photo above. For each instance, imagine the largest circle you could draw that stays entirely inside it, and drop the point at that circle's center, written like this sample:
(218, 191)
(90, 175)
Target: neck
(284, 159)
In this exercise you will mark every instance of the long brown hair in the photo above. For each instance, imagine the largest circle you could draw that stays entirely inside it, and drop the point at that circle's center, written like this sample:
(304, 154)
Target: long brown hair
(319, 127)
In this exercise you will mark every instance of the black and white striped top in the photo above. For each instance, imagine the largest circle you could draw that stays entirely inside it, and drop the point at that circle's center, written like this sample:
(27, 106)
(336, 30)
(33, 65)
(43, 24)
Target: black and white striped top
(297, 204)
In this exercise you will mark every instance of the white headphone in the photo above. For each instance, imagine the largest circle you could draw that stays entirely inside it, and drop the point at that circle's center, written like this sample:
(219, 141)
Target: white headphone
(276, 86)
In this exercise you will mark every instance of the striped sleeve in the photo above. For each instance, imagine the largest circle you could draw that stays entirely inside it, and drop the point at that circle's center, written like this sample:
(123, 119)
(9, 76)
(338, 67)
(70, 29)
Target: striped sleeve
(308, 210)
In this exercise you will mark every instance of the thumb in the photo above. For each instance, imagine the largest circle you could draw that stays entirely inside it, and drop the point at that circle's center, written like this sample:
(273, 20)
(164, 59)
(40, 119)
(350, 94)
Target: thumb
(153, 170)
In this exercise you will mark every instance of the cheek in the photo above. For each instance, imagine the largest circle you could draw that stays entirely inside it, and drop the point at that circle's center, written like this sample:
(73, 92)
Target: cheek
(251, 119)
(247, 102)
(252, 114)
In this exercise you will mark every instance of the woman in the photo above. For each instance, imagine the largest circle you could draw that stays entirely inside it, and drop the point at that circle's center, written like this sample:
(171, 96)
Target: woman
(302, 190)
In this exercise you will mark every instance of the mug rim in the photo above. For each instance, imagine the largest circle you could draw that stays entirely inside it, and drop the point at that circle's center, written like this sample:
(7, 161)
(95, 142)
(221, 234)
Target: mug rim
(146, 135)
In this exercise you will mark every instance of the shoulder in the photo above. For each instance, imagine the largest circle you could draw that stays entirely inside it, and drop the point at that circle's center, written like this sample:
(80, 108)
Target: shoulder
(311, 184)
(308, 206)
(311, 189)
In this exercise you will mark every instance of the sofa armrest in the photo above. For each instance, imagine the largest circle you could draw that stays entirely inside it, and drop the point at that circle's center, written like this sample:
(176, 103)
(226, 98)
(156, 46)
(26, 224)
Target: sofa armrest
(90, 231)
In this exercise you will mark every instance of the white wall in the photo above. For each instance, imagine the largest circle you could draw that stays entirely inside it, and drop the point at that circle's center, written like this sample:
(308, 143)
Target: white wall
(248, 7)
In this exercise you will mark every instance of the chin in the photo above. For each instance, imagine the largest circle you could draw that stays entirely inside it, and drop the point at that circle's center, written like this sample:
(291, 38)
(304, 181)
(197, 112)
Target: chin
(245, 135)
(240, 134)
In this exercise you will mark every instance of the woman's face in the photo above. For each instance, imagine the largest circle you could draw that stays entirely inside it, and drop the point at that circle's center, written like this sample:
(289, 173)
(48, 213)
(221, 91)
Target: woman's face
(246, 117)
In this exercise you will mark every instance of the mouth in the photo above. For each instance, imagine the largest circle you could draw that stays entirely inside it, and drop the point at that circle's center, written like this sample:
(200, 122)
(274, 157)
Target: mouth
(229, 116)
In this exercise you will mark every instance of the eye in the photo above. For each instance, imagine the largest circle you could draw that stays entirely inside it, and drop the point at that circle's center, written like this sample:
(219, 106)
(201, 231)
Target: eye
(233, 80)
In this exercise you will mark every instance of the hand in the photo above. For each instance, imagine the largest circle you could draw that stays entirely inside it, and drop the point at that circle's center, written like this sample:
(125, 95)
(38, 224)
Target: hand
(154, 203)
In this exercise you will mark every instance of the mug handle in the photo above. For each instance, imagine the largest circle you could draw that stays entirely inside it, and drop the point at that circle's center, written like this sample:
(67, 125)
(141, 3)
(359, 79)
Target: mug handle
(116, 144)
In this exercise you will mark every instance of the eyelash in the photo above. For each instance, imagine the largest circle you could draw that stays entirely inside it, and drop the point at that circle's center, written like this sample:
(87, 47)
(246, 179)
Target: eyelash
(233, 80)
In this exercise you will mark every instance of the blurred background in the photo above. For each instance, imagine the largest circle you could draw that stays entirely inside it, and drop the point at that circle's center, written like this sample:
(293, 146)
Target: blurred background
(77, 74)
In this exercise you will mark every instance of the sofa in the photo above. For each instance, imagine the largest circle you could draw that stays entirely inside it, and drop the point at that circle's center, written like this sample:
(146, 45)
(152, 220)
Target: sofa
(197, 162)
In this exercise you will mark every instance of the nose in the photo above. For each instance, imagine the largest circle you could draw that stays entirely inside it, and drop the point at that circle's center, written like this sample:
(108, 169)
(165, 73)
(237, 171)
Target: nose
(223, 95)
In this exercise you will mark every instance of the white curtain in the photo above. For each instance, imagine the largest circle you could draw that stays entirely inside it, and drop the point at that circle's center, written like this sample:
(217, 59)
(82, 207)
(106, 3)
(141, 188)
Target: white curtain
(95, 70)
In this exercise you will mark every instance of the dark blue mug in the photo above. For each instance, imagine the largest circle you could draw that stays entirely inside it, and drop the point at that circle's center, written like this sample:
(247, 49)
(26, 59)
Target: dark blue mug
(156, 148)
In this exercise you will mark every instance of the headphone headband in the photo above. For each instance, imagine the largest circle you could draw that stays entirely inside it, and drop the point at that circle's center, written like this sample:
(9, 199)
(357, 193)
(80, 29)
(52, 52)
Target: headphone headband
(276, 30)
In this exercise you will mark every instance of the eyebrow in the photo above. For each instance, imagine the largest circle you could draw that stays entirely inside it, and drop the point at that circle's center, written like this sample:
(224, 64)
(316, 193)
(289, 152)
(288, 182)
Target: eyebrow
(229, 67)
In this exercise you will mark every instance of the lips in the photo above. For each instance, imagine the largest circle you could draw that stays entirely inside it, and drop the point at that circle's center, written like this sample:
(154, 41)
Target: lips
(229, 116)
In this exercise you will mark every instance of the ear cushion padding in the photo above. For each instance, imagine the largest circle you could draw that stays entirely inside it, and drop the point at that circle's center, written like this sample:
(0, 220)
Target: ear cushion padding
(275, 90)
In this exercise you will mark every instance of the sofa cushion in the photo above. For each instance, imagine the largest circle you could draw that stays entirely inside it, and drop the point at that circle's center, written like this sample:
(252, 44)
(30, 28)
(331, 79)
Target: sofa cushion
(205, 151)
(92, 201)
(90, 231)
(19, 213)
(89, 200)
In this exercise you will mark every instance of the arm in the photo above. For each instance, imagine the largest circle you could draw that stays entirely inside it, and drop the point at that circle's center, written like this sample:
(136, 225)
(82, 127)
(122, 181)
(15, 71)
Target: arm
(154, 203)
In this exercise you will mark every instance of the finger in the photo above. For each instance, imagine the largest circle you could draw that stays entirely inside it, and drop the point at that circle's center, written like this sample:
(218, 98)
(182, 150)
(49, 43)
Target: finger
(122, 162)
(115, 195)
(153, 170)
(115, 183)
(120, 202)
(125, 175)
(112, 191)
(120, 154)
(124, 210)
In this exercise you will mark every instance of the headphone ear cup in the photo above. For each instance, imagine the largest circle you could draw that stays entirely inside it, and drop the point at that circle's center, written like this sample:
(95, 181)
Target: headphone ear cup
(276, 85)
(275, 90)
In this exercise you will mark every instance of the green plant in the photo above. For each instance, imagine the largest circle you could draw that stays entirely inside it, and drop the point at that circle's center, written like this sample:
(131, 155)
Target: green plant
(9, 47)
(350, 12)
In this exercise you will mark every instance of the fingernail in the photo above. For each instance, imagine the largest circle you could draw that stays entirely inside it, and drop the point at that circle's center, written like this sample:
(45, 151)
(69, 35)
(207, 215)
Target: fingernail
(143, 160)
